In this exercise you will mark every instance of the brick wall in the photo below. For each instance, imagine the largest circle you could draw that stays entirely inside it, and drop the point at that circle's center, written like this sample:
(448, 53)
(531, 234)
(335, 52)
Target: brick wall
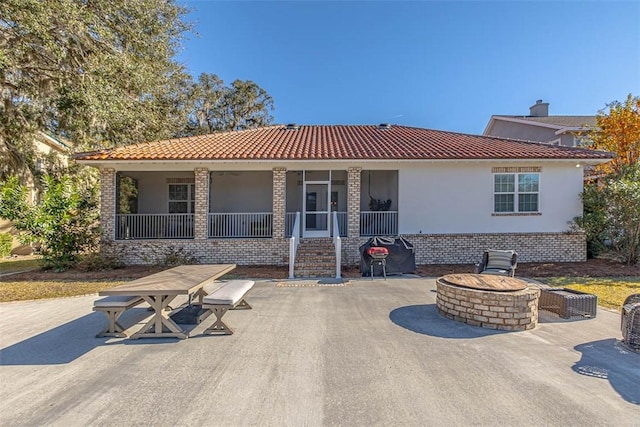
(430, 249)
(108, 203)
(279, 201)
(210, 251)
(468, 248)
(353, 202)
(201, 202)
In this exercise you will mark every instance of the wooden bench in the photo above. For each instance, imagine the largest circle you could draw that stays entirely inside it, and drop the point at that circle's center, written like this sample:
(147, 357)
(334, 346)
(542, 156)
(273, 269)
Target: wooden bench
(228, 296)
(113, 307)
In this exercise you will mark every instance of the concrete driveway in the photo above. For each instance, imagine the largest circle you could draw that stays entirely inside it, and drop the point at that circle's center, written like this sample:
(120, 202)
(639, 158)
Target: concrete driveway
(368, 353)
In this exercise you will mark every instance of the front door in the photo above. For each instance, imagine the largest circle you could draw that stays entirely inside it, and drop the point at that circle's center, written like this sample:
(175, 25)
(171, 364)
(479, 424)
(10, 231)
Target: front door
(316, 209)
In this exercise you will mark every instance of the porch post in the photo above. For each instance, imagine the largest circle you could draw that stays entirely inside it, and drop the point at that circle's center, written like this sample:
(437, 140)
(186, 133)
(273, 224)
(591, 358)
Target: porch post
(108, 203)
(279, 201)
(202, 203)
(353, 202)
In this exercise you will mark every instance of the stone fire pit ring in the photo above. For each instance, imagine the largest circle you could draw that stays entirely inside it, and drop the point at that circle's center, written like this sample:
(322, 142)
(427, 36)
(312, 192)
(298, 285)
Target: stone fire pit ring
(494, 302)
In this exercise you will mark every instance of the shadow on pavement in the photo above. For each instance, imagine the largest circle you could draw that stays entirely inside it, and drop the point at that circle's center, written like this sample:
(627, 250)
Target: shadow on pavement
(610, 360)
(66, 342)
(425, 319)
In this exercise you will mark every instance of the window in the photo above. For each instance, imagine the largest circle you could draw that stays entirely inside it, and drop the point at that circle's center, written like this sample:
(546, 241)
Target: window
(516, 192)
(182, 198)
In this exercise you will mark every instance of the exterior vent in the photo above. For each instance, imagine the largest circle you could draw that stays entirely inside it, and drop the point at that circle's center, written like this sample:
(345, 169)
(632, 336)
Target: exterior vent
(384, 126)
(292, 126)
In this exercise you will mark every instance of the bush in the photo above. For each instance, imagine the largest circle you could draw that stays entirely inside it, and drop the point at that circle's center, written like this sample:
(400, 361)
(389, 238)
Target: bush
(63, 225)
(6, 241)
(612, 214)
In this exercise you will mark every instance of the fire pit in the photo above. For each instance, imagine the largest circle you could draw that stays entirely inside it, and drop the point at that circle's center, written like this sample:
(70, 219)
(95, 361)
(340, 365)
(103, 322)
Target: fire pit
(489, 301)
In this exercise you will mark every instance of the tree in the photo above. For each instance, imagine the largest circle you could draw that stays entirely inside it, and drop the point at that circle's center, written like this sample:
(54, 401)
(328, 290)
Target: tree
(612, 213)
(99, 73)
(216, 107)
(618, 131)
(63, 226)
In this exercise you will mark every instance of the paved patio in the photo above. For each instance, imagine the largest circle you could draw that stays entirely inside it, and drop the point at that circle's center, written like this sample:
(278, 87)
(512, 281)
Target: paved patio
(369, 353)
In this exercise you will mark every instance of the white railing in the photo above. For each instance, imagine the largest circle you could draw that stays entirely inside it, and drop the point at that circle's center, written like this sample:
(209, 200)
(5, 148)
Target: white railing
(337, 242)
(154, 226)
(254, 224)
(294, 241)
(379, 223)
(290, 218)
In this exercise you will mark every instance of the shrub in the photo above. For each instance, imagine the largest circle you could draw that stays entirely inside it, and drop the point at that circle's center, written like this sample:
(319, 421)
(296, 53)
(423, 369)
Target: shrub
(63, 225)
(6, 240)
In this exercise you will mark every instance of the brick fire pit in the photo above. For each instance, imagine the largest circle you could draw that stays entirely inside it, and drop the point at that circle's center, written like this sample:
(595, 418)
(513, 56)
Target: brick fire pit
(489, 301)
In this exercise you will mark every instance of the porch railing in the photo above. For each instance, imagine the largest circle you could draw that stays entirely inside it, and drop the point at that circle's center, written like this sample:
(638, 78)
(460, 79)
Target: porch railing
(378, 223)
(154, 226)
(254, 224)
(291, 216)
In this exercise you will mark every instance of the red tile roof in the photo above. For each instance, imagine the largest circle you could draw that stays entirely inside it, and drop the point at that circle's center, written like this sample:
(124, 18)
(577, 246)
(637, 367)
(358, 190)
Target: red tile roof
(357, 142)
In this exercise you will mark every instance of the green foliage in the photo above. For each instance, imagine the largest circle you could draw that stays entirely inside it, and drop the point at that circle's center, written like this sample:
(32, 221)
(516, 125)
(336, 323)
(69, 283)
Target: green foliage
(173, 257)
(99, 261)
(215, 107)
(101, 74)
(62, 226)
(612, 212)
(6, 241)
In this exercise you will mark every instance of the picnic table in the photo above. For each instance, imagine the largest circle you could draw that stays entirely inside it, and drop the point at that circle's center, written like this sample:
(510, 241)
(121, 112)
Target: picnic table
(161, 288)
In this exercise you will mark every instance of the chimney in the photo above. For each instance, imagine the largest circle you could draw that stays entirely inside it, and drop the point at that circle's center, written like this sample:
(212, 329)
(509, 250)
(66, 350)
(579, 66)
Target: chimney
(540, 109)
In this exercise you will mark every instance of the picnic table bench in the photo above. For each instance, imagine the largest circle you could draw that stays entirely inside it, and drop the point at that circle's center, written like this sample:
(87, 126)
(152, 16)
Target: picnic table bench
(158, 290)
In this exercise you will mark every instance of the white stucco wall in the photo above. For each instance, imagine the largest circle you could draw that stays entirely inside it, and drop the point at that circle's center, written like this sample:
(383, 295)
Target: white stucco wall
(458, 198)
(153, 190)
(241, 191)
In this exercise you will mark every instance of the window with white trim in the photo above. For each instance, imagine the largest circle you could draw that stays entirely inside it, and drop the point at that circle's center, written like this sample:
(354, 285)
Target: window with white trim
(182, 198)
(516, 192)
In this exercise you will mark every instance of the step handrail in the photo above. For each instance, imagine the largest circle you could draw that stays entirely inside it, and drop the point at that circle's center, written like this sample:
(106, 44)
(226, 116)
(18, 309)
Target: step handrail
(294, 241)
(337, 243)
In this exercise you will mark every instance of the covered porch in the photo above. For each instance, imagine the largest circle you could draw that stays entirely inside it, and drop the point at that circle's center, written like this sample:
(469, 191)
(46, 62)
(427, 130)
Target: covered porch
(253, 204)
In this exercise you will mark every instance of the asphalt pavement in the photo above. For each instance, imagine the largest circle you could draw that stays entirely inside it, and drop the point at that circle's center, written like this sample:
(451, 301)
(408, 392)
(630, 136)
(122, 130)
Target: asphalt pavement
(363, 353)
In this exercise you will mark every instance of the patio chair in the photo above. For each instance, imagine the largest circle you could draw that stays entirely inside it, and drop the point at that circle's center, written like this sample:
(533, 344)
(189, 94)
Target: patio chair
(498, 262)
(630, 321)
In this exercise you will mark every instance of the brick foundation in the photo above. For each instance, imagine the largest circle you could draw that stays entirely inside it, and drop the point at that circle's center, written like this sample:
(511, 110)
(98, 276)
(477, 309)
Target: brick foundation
(430, 249)
(468, 248)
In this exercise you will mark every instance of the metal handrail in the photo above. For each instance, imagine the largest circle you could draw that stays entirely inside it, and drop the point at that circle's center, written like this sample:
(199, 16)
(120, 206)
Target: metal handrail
(294, 241)
(337, 242)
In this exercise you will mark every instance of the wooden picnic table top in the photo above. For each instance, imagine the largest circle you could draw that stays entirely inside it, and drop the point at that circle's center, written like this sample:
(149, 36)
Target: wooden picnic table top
(180, 280)
(485, 282)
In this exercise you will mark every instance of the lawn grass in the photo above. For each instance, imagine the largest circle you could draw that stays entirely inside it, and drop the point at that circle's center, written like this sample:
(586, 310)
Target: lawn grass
(8, 265)
(22, 291)
(611, 291)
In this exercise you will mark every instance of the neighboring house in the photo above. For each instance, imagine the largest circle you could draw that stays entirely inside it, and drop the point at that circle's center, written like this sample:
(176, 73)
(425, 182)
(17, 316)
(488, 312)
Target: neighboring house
(539, 126)
(51, 153)
(239, 196)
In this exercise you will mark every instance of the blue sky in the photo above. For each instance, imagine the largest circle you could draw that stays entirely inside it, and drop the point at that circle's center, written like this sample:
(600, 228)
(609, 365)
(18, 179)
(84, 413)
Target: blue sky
(441, 65)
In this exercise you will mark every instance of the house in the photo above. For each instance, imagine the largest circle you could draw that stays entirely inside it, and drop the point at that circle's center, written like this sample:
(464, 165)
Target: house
(51, 153)
(247, 196)
(540, 126)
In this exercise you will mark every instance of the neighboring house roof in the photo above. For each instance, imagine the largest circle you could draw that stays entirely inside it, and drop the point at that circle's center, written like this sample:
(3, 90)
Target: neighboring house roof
(57, 143)
(560, 123)
(339, 142)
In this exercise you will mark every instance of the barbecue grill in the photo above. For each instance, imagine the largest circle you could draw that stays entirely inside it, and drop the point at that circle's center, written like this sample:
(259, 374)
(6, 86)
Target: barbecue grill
(378, 256)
